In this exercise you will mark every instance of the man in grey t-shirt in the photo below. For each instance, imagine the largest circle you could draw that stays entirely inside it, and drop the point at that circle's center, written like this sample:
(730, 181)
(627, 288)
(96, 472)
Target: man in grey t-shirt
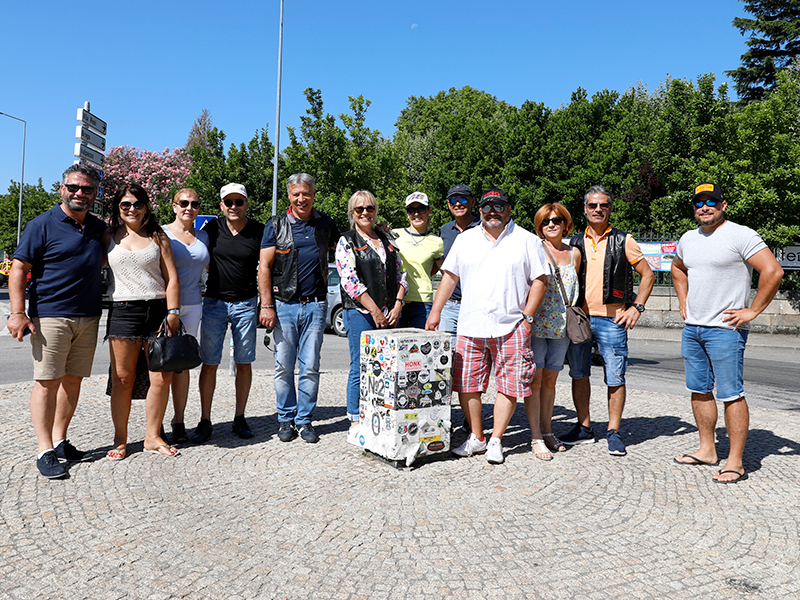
(711, 275)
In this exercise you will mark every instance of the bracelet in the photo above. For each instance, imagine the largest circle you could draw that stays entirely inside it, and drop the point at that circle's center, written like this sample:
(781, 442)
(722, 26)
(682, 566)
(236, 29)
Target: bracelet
(401, 301)
(174, 311)
(272, 306)
(19, 312)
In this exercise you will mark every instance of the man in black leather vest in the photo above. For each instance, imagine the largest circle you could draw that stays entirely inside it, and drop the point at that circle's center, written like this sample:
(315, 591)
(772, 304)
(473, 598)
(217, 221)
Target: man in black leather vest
(293, 283)
(606, 280)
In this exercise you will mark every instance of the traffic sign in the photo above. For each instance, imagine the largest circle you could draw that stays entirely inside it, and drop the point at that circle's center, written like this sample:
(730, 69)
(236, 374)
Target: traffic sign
(90, 137)
(83, 151)
(87, 118)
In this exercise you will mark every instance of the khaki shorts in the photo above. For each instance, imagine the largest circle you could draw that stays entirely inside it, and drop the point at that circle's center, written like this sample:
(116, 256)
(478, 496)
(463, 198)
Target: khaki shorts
(62, 345)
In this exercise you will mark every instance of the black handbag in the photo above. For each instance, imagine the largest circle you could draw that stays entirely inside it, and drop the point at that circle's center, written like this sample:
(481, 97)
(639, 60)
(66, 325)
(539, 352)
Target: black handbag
(173, 353)
(579, 327)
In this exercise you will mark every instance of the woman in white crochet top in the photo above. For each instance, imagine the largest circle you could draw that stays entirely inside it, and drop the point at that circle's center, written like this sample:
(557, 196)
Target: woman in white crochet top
(144, 289)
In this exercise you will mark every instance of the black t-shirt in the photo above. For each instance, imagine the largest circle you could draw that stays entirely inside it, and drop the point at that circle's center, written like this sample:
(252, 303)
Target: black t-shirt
(233, 270)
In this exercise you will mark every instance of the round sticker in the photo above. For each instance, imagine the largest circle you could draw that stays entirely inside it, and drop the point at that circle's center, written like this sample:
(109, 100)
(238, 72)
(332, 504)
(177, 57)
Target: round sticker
(376, 424)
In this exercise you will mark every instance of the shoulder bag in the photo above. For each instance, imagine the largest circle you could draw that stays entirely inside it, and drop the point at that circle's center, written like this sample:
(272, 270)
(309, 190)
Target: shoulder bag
(173, 353)
(579, 328)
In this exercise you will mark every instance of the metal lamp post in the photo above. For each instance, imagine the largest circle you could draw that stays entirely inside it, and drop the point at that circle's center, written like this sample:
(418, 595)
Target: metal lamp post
(277, 120)
(22, 175)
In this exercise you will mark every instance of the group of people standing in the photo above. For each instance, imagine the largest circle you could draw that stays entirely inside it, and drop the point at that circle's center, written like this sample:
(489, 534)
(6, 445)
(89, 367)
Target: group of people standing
(503, 298)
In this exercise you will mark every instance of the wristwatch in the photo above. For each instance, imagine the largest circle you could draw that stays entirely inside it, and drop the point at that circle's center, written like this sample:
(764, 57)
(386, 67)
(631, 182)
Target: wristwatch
(401, 301)
(639, 307)
(528, 318)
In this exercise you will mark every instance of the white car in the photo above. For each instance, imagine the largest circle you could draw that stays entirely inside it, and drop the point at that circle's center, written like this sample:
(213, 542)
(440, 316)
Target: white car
(334, 318)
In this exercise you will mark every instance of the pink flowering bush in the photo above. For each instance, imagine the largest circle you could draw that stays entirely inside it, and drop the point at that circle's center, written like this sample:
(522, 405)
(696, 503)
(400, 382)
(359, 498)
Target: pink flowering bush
(160, 173)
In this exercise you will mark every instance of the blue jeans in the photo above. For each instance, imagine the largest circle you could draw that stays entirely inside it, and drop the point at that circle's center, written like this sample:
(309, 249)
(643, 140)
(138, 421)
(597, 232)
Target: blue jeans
(298, 338)
(579, 357)
(415, 314)
(216, 316)
(612, 342)
(355, 323)
(714, 354)
(448, 323)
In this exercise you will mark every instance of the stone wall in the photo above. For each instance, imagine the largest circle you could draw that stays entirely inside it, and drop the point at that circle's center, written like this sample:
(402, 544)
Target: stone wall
(781, 316)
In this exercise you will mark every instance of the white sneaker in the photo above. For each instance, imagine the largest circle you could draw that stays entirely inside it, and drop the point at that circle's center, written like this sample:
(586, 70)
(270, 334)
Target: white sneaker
(494, 452)
(352, 435)
(471, 446)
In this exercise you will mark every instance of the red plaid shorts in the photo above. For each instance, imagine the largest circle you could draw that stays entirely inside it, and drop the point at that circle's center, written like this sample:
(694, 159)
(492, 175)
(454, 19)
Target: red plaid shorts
(511, 355)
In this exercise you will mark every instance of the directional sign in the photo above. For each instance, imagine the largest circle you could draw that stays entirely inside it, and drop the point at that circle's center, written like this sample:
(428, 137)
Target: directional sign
(83, 151)
(87, 118)
(88, 136)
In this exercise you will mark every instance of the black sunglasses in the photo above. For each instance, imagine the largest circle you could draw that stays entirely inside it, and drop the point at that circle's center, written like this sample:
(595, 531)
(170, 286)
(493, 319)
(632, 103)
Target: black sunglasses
(184, 203)
(86, 189)
(595, 205)
(238, 202)
(418, 208)
(138, 205)
(491, 207)
(361, 209)
(554, 221)
(708, 202)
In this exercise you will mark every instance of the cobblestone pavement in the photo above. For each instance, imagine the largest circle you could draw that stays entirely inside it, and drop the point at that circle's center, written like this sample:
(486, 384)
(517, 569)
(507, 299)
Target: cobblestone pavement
(265, 519)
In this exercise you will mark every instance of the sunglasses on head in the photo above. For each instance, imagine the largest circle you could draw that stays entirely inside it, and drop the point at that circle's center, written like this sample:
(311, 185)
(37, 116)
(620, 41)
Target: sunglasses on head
(194, 204)
(138, 205)
(416, 208)
(361, 209)
(708, 202)
(554, 221)
(73, 189)
(491, 207)
(237, 201)
(458, 200)
(601, 206)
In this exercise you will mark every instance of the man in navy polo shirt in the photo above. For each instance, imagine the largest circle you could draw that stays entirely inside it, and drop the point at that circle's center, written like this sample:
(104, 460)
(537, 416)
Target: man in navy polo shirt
(64, 251)
(460, 203)
(293, 283)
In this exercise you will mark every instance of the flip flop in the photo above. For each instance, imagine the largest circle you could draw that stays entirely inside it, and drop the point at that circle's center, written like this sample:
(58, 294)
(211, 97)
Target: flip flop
(741, 476)
(117, 453)
(694, 461)
(158, 450)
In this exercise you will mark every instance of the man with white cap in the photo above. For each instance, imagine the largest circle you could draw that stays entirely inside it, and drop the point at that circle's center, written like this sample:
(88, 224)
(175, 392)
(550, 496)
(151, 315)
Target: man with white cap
(234, 243)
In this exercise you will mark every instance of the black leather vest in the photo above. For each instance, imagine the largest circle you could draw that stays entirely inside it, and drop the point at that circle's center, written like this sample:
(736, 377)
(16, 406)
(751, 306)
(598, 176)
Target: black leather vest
(617, 271)
(284, 269)
(381, 283)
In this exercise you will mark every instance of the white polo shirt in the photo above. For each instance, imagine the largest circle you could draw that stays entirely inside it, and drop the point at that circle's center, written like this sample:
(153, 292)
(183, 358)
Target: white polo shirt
(495, 277)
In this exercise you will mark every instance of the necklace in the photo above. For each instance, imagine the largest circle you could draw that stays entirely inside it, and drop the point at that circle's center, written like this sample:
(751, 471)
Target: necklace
(419, 235)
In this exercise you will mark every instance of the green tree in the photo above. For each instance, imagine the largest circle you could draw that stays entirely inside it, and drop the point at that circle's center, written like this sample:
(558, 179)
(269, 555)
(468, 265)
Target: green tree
(774, 41)
(35, 201)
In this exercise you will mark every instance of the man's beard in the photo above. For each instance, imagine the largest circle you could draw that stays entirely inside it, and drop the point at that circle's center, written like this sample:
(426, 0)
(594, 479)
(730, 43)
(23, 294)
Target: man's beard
(77, 208)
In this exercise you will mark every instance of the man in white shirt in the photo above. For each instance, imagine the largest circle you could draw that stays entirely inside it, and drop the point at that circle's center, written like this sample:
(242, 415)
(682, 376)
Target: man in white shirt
(501, 269)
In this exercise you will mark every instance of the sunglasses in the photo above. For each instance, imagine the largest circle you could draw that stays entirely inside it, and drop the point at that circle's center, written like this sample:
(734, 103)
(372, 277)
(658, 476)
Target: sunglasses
(491, 207)
(708, 202)
(238, 202)
(138, 205)
(601, 206)
(554, 221)
(194, 204)
(73, 189)
(417, 208)
(360, 209)
(458, 200)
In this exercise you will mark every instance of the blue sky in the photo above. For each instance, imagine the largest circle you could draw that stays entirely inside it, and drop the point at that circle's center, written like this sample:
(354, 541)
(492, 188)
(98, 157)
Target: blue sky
(149, 68)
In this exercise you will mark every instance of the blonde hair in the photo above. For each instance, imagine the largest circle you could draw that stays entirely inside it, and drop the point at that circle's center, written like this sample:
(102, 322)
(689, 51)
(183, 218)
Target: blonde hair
(351, 204)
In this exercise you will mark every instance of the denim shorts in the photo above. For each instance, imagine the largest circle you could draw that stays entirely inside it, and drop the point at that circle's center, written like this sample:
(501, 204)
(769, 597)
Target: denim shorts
(579, 357)
(242, 318)
(714, 354)
(612, 342)
(135, 319)
(549, 353)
